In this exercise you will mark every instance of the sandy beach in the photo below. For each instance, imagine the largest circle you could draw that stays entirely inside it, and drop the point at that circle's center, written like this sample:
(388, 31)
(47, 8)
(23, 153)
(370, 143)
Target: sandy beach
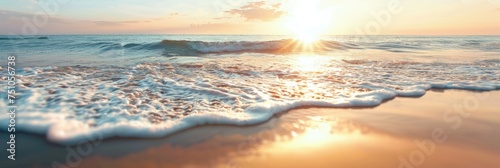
(444, 128)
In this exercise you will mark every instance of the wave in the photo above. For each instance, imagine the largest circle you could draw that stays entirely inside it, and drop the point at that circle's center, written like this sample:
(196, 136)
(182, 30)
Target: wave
(275, 46)
(197, 48)
(169, 47)
(284, 46)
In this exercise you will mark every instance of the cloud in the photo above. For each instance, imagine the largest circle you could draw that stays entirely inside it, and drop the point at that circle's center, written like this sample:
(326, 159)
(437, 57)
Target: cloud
(258, 11)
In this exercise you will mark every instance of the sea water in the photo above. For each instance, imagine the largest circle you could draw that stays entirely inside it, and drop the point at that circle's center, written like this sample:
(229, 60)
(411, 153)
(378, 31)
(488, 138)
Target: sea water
(72, 87)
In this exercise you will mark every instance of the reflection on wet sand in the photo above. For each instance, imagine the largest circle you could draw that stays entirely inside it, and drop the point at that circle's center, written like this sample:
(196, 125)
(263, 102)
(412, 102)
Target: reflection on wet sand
(278, 136)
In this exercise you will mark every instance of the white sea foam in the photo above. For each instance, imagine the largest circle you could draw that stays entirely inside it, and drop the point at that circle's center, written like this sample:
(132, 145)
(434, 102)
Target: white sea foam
(74, 104)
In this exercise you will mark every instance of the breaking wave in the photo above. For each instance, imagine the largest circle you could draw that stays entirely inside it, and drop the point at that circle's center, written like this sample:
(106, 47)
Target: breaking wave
(284, 46)
(194, 48)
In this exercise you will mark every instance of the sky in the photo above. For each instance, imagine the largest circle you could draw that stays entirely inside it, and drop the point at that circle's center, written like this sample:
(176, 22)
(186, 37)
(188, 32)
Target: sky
(299, 17)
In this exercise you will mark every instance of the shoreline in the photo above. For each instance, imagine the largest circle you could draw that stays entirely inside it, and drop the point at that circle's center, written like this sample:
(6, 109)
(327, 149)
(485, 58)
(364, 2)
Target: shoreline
(275, 116)
(278, 126)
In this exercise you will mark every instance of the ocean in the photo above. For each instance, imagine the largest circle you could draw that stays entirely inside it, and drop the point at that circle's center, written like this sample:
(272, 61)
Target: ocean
(72, 87)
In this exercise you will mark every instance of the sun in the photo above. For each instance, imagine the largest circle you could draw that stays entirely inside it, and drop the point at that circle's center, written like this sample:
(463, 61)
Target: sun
(308, 20)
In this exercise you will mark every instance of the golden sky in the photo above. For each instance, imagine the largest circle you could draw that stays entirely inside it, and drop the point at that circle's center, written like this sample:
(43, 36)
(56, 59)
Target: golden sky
(299, 17)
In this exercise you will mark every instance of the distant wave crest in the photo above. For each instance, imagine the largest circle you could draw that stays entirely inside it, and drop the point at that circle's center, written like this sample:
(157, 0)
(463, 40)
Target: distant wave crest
(169, 47)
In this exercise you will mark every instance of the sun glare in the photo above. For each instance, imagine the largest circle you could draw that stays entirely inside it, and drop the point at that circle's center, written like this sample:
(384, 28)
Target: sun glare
(308, 20)
(308, 63)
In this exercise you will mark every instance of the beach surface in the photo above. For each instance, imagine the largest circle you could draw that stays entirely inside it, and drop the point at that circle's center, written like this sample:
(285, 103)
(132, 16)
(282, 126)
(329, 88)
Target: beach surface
(444, 128)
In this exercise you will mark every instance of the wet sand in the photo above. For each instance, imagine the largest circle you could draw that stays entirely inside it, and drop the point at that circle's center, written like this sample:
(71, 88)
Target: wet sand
(444, 128)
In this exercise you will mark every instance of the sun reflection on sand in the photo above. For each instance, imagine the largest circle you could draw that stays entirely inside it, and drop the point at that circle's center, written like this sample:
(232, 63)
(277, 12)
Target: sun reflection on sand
(315, 135)
(318, 131)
